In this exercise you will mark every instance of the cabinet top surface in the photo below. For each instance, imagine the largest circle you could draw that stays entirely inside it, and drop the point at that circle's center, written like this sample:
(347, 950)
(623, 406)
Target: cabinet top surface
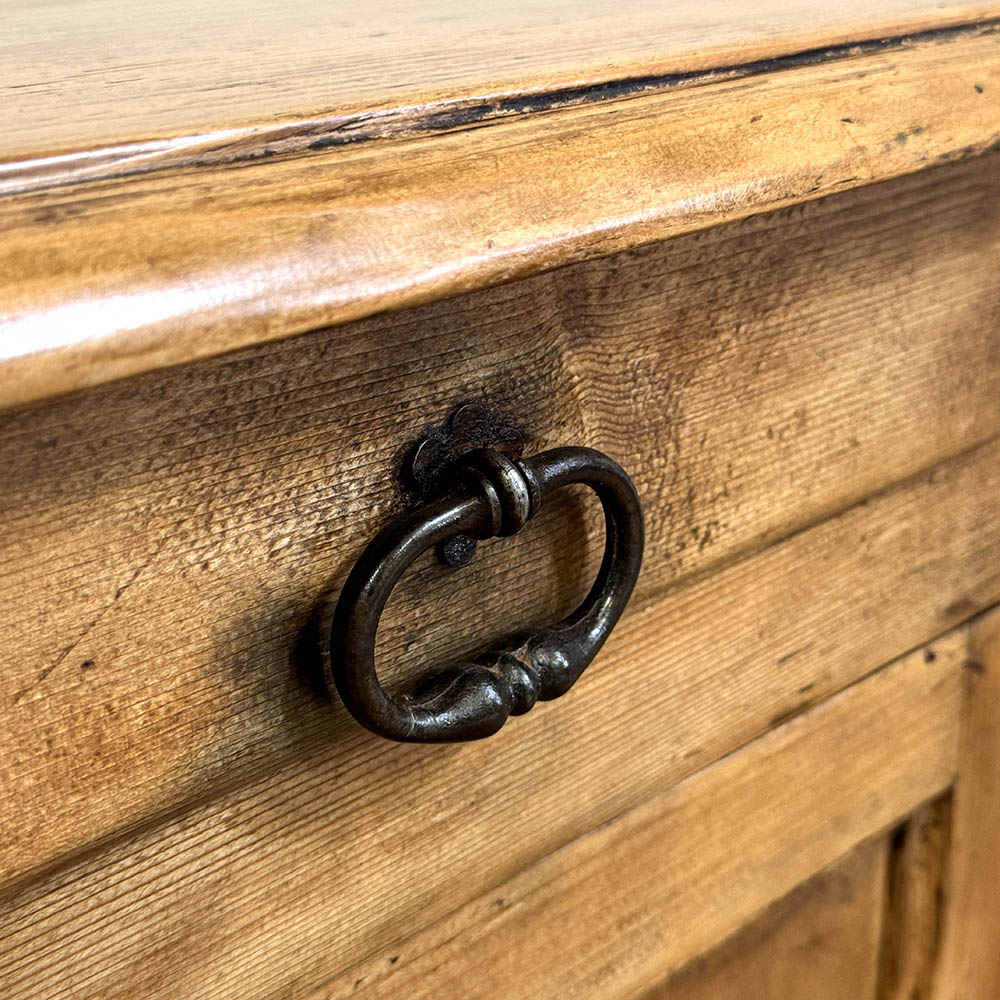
(78, 74)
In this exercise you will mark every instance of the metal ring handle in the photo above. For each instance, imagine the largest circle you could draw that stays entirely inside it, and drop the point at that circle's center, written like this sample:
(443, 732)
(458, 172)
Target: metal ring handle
(497, 495)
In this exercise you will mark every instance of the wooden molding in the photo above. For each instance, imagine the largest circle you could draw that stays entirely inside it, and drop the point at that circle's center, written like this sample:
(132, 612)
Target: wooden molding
(103, 278)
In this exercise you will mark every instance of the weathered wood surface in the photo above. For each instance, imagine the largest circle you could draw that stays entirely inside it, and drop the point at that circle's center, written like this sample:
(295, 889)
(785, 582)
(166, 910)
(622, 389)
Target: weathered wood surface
(181, 816)
(90, 73)
(137, 271)
(821, 942)
(920, 855)
(869, 928)
(356, 844)
(969, 967)
(620, 908)
(167, 539)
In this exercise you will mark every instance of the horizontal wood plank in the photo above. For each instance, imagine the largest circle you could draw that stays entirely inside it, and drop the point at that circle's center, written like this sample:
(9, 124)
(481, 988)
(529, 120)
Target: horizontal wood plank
(170, 538)
(617, 910)
(137, 271)
(358, 844)
(821, 941)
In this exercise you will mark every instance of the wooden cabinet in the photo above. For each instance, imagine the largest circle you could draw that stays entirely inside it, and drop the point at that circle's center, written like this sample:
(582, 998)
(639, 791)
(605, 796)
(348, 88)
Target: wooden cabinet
(749, 253)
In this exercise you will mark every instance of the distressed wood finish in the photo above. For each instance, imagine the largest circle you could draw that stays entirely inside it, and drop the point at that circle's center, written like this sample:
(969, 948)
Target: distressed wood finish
(821, 942)
(970, 960)
(357, 844)
(723, 845)
(140, 270)
(251, 252)
(315, 64)
(869, 928)
(162, 590)
(915, 890)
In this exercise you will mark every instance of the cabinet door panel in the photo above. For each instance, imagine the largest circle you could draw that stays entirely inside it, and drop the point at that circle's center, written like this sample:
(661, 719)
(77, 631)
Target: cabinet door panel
(821, 942)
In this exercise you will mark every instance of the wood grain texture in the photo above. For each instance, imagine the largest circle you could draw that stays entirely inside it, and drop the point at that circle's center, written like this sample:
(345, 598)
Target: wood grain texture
(169, 538)
(130, 273)
(818, 943)
(80, 75)
(355, 845)
(969, 968)
(911, 935)
(619, 909)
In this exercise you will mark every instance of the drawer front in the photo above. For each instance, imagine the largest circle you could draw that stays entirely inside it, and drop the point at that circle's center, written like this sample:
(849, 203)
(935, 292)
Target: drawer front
(174, 543)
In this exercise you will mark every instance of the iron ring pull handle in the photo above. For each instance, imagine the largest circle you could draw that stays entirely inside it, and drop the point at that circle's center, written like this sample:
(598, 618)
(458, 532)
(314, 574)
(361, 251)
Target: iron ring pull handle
(495, 496)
